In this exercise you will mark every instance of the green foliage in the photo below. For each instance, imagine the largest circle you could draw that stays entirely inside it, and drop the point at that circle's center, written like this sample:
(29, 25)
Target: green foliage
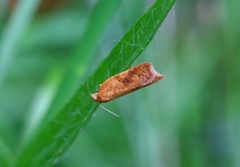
(191, 118)
(50, 132)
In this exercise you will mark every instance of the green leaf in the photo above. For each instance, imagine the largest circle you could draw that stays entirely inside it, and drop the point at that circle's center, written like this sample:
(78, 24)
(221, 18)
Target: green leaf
(77, 64)
(85, 49)
(55, 136)
(18, 23)
(6, 154)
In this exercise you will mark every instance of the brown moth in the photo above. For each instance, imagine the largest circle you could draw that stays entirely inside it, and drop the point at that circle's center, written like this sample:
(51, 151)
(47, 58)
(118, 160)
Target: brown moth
(127, 82)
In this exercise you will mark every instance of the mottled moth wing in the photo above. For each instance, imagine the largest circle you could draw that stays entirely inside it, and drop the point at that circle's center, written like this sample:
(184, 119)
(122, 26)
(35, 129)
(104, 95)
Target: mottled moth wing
(126, 82)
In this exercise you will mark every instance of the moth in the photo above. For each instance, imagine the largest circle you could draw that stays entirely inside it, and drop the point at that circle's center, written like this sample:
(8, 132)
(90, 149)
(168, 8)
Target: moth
(126, 82)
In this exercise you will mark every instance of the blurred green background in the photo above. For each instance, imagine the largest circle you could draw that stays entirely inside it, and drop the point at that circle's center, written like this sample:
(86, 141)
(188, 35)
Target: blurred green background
(191, 118)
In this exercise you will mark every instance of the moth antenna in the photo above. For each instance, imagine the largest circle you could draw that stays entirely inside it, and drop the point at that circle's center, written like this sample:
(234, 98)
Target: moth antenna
(100, 104)
(108, 110)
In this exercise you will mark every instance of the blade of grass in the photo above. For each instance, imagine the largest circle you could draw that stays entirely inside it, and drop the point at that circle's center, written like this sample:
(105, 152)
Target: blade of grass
(18, 23)
(76, 65)
(6, 154)
(85, 49)
(56, 136)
